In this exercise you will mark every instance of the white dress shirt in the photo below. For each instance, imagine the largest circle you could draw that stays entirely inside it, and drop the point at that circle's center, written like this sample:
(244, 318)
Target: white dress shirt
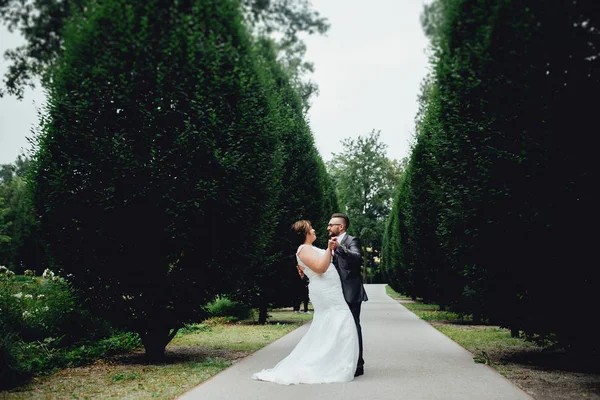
(339, 240)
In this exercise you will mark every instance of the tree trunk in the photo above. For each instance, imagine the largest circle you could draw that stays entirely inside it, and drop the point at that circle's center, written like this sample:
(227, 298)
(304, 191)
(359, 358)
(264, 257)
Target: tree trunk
(514, 331)
(262, 314)
(155, 341)
(365, 264)
(262, 309)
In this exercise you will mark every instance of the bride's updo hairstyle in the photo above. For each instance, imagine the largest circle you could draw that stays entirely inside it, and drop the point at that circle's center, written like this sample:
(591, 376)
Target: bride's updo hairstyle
(299, 231)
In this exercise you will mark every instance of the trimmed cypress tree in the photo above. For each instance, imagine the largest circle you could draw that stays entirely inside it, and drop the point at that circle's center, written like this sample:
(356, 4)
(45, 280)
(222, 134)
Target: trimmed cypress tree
(543, 69)
(157, 169)
(500, 182)
(304, 194)
(390, 246)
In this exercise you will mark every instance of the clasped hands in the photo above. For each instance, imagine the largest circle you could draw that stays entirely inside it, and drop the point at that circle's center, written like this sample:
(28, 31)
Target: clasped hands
(332, 244)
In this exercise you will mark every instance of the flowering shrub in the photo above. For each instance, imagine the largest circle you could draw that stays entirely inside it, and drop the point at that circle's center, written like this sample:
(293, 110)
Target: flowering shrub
(48, 274)
(11, 312)
(41, 321)
(36, 308)
(6, 273)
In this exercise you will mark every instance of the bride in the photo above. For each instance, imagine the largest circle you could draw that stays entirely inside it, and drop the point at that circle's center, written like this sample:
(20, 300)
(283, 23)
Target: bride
(328, 352)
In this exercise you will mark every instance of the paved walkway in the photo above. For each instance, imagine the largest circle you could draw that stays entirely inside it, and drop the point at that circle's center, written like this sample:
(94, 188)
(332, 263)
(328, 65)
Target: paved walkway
(405, 358)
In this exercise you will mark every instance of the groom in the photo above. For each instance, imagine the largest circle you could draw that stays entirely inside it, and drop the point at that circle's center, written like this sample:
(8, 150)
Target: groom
(347, 259)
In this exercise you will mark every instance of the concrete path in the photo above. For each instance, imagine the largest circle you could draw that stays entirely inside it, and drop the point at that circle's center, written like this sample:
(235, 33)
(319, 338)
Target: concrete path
(405, 358)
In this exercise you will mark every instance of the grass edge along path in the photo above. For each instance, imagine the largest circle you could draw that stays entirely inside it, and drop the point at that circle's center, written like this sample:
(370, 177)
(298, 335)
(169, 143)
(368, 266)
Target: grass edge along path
(196, 354)
(540, 371)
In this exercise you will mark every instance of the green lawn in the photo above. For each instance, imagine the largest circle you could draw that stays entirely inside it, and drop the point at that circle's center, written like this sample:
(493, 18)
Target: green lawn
(479, 338)
(427, 312)
(196, 354)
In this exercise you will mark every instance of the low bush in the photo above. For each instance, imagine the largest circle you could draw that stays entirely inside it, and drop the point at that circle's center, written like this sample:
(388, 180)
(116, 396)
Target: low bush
(21, 360)
(194, 328)
(43, 326)
(224, 307)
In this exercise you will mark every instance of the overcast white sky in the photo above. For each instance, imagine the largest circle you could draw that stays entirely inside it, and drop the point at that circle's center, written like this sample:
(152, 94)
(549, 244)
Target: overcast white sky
(369, 69)
(17, 118)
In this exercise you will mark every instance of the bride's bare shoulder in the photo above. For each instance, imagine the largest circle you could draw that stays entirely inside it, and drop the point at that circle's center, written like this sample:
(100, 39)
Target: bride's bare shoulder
(302, 248)
(306, 250)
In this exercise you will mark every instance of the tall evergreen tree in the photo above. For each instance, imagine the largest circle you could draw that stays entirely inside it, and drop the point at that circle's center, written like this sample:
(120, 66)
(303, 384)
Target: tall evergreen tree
(496, 190)
(156, 170)
(304, 193)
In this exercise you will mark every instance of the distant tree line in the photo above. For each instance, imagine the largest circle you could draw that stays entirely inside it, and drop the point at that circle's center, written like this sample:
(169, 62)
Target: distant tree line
(365, 180)
(20, 247)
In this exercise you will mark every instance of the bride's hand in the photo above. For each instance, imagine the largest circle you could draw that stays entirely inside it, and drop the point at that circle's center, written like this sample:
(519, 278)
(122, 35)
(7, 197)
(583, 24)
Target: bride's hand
(332, 244)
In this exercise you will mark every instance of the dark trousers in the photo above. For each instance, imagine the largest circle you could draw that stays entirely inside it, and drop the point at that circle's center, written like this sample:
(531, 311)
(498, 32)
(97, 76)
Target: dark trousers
(302, 298)
(355, 310)
(301, 301)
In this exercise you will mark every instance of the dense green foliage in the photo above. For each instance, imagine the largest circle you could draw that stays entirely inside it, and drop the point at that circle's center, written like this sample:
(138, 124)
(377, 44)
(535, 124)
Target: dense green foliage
(20, 247)
(306, 192)
(42, 23)
(173, 159)
(493, 217)
(159, 143)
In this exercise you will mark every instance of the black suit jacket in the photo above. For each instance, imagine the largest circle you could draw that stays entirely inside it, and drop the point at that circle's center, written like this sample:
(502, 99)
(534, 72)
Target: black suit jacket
(347, 259)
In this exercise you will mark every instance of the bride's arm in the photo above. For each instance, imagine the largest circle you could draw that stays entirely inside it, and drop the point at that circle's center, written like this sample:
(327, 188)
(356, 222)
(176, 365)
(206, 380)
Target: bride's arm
(314, 261)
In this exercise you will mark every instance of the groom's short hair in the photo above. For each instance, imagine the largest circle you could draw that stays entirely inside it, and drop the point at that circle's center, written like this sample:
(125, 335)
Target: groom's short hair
(344, 217)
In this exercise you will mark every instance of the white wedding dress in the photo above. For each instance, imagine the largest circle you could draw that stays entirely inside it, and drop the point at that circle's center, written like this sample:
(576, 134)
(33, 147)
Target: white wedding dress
(328, 352)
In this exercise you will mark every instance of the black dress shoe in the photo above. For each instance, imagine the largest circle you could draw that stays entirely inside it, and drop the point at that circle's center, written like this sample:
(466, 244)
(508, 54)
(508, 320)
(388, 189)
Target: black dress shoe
(359, 371)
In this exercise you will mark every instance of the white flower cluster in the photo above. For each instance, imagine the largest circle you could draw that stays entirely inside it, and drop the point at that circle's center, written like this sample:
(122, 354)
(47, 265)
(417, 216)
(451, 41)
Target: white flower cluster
(28, 296)
(35, 312)
(5, 272)
(29, 272)
(48, 274)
